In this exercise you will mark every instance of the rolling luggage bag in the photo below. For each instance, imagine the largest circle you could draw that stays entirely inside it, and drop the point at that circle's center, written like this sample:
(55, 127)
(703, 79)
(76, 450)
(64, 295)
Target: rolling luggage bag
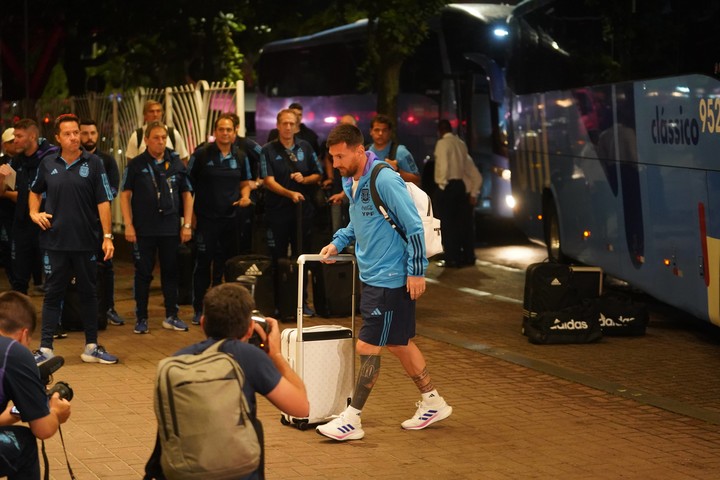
(287, 276)
(332, 288)
(323, 357)
(551, 287)
(259, 267)
(286, 293)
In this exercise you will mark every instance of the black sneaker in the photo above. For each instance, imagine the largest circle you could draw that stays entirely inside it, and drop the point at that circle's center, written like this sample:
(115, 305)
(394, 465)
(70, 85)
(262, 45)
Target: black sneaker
(114, 318)
(60, 333)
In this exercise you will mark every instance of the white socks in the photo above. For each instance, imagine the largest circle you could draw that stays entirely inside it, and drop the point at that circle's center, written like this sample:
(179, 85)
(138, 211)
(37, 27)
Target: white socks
(431, 397)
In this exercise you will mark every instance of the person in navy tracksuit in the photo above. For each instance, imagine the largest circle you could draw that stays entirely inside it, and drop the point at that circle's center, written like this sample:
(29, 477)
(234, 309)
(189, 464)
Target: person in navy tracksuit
(290, 170)
(26, 255)
(77, 204)
(220, 175)
(88, 140)
(155, 194)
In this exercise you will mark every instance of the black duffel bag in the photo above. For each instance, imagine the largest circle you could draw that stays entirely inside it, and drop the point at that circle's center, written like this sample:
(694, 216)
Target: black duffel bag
(620, 316)
(575, 324)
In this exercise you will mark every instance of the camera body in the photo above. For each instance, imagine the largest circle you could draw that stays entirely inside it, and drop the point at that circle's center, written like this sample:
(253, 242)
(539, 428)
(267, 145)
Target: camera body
(63, 389)
(255, 339)
(46, 371)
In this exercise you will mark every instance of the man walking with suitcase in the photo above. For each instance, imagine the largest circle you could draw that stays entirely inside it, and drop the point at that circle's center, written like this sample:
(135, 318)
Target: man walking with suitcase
(392, 274)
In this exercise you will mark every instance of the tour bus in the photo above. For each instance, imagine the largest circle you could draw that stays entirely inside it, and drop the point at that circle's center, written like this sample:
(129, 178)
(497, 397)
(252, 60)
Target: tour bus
(456, 73)
(614, 137)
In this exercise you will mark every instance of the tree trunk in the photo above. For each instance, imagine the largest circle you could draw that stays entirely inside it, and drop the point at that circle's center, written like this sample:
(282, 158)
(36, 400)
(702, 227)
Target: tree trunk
(389, 87)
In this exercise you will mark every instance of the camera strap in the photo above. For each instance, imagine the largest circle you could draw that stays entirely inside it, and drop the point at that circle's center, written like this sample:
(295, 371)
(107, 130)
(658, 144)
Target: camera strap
(47, 464)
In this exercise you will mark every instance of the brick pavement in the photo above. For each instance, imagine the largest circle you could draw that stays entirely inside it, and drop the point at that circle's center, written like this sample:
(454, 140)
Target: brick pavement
(509, 421)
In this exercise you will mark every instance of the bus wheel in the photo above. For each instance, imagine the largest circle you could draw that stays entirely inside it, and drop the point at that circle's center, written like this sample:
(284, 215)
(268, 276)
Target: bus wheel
(552, 235)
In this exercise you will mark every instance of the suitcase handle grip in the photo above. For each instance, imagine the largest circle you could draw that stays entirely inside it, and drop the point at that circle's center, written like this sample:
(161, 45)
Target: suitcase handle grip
(307, 257)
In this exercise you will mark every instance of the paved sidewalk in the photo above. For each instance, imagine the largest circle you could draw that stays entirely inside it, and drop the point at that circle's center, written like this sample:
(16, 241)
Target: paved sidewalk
(509, 421)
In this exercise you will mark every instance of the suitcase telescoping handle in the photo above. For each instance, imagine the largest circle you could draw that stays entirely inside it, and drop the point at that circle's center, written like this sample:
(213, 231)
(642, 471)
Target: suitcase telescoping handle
(306, 257)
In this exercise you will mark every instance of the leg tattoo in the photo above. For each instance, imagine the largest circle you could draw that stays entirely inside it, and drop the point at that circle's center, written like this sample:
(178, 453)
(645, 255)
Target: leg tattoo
(368, 375)
(423, 382)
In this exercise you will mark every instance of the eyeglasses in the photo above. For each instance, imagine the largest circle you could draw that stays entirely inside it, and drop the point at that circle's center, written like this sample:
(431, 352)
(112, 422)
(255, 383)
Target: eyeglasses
(291, 155)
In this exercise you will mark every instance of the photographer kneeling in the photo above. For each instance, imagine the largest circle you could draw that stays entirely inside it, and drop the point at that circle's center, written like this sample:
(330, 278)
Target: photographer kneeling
(227, 316)
(20, 383)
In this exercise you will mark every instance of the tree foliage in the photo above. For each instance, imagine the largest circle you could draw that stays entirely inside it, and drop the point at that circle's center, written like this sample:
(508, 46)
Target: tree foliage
(121, 44)
(395, 29)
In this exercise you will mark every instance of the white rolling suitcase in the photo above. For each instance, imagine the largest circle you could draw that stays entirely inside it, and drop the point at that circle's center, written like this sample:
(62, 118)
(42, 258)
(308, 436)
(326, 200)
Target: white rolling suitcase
(323, 357)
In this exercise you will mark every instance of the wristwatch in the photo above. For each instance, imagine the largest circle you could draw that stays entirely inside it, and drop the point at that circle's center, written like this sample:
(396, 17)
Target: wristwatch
(187, 225)
(109, 235)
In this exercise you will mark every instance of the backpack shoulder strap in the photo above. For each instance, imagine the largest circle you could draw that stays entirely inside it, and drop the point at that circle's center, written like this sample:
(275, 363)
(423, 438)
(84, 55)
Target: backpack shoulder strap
(379, 204)
(392, 154)
(138, 136)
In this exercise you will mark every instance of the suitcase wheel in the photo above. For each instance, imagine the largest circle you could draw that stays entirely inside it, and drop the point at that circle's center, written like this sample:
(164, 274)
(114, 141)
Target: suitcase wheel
(284, 420)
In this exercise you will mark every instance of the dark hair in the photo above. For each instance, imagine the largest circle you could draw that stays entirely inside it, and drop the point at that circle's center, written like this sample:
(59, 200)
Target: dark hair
(64, 118)
(88, 121)
(225, 116)
(152, 126)
(25, 124)
(16, 312)
(349, 134)
(381, 118)
(295, 106)
(235, 119)
(444, 126)
(227, 308)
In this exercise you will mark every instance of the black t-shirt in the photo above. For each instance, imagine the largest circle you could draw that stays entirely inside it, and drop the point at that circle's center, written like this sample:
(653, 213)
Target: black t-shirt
(21, 381)
(216, 180)
(144, 177)
(73, 193)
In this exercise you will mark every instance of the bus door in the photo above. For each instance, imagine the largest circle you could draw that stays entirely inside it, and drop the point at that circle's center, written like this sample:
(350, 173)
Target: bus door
(480, 105)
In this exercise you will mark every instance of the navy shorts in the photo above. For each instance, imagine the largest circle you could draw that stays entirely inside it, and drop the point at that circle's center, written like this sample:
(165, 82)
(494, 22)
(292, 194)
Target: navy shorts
(388, 316)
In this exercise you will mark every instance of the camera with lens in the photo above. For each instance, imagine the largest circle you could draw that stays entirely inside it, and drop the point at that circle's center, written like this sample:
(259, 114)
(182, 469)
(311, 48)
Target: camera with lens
(46, 371)
(255, 338)
(63, 389)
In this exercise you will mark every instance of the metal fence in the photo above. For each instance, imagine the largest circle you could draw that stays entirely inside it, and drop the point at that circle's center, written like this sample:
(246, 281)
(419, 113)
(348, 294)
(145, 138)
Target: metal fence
(191, 109)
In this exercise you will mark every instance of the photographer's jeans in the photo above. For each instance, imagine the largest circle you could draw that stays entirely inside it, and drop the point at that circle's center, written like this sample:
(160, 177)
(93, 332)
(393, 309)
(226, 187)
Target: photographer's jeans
(18, 454)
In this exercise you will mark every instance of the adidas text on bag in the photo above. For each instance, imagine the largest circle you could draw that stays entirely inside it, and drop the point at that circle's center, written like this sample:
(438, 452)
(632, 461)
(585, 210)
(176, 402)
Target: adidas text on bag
(431, 225)
(203, 417)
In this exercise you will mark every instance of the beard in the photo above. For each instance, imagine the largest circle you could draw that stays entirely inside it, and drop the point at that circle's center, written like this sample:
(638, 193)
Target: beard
(89, 146)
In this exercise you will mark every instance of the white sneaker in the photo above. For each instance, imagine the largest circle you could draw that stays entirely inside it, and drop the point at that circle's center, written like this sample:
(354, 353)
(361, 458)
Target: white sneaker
(42, 355)
(346, 426)
(427, 414)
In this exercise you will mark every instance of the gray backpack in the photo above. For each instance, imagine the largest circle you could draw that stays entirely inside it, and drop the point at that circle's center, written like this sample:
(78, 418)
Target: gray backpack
(203, 417)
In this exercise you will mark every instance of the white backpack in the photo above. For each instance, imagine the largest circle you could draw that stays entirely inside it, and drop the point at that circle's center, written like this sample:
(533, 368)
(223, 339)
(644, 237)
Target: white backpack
(431, 225)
